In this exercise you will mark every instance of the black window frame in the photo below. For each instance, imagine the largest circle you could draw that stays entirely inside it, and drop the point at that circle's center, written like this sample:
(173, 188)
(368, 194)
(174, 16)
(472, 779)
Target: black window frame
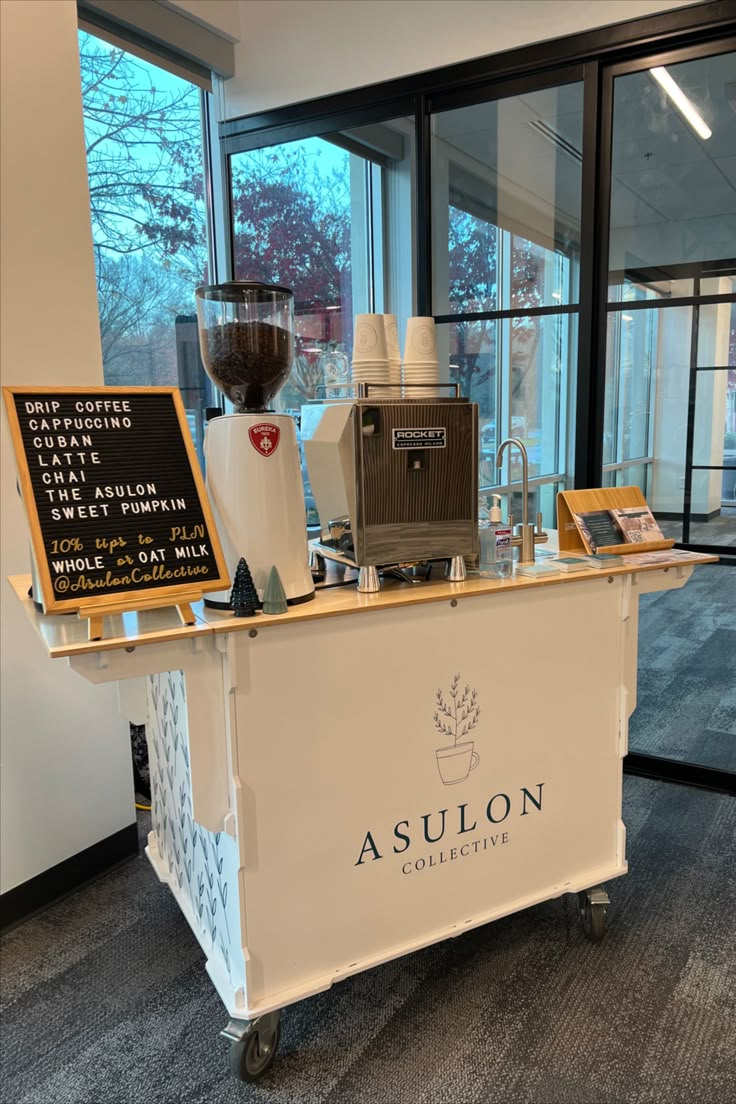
(598, 55)
(690, 31)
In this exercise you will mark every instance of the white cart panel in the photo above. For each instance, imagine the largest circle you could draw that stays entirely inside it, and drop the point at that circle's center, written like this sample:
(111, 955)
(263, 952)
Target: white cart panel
(355, 848)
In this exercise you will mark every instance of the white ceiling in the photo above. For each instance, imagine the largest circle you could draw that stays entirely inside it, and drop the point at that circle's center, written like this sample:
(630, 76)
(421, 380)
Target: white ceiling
(658, 158)
(664, 176)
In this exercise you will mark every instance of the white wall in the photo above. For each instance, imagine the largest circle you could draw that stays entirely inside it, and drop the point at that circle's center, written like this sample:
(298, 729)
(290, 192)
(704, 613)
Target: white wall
(66, 768)
(292, 50)
(222, 16)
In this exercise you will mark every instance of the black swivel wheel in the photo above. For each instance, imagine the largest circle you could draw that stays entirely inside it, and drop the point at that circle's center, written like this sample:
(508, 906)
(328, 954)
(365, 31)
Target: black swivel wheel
(253, 1053)
(593, 905)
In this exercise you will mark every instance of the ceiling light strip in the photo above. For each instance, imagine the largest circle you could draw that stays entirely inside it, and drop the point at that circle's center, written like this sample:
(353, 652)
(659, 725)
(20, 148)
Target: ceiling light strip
(681, 102)
(556, 139)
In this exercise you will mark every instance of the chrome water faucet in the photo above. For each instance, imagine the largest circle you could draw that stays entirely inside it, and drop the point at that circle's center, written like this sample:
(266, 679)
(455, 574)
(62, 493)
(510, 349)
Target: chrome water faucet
(526, 551)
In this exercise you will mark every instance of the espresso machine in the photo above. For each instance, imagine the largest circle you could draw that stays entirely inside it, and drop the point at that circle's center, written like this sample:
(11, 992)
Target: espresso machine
(395, 482)
(254, 481)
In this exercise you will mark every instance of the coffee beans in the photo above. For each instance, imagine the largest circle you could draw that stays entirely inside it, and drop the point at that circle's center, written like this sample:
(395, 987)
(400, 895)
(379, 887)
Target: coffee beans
(248, 361)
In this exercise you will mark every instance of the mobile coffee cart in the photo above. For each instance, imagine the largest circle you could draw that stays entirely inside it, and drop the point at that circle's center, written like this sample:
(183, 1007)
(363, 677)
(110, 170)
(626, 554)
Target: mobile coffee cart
(369, 774)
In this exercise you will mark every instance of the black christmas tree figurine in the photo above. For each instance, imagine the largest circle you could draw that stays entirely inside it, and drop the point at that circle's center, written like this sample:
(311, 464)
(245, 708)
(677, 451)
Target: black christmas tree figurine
(243, 596)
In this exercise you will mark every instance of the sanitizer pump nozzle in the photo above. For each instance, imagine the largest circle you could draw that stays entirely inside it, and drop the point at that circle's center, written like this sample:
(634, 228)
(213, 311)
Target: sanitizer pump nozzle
(495, 513)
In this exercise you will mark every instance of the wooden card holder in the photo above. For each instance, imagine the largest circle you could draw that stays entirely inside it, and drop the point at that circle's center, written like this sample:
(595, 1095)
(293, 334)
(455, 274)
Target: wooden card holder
(96, 611)
(570, 503)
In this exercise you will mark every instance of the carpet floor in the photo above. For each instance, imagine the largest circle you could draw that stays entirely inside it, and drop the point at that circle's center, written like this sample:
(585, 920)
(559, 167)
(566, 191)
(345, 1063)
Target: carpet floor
(686, 692)
(105, 999)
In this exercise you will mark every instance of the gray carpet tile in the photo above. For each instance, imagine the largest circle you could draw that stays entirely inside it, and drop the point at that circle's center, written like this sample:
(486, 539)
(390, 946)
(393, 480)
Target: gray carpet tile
(720, 530)
(105, 999)
(717, 749)
(686, 696)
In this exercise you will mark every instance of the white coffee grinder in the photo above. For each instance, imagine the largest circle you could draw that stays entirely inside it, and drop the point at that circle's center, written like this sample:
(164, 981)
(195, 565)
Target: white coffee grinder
(254, 481)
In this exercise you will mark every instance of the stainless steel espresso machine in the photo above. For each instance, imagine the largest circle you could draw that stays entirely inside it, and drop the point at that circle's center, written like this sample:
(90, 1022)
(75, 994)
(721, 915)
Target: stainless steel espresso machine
(395, 481)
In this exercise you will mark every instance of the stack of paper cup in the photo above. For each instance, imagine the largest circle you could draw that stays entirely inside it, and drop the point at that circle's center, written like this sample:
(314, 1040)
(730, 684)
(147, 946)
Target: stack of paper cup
(420, 365)
(394, 355)
(370, 354)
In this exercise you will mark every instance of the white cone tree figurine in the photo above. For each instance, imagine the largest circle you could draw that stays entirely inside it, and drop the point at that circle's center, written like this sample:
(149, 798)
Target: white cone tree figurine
(274, 598)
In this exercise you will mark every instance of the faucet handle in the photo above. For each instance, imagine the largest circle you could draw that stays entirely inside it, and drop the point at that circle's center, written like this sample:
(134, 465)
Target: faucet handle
(539, 523)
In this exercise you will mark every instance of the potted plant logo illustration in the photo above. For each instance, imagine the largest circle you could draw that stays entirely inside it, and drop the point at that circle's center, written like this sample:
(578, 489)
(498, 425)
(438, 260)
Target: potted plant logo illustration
(455, 717)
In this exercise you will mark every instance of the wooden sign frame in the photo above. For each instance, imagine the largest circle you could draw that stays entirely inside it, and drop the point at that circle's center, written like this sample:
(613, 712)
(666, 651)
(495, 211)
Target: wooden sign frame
(115, 601)
(570, 503)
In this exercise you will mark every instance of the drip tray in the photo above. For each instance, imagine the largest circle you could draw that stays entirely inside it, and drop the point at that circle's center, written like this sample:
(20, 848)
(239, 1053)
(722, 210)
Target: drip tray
(406, 572)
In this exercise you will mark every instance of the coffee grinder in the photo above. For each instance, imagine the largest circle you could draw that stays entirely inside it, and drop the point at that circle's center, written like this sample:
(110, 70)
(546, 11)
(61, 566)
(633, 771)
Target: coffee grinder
(254, 481)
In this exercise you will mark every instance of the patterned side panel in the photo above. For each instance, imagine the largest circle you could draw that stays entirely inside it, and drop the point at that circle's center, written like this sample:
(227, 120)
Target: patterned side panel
(203, 865)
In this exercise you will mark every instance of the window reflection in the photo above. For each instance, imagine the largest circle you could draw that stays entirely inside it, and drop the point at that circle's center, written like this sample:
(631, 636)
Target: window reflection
(672, 195)
(506, 179)
(673, 234)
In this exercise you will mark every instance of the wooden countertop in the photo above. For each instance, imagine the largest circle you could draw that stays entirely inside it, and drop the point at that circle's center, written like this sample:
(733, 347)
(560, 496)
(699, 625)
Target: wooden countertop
(66, 635)
(393, 593)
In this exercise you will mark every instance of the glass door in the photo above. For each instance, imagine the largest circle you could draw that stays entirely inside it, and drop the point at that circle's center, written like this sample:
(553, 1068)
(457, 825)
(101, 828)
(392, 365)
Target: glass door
(670, 387)
(671, 346)
(506, 178)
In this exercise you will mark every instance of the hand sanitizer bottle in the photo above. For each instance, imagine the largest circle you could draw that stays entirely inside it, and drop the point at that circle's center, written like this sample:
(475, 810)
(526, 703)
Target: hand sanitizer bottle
(472, 562)
(496, 550)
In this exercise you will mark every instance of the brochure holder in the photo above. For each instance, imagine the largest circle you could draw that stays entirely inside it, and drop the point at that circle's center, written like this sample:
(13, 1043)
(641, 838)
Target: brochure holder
(572, 503)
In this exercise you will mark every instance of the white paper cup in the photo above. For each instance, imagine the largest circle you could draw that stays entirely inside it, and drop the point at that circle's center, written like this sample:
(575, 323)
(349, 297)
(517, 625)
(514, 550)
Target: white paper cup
(369, 338)
(421, 372)
(372, 372)
(412, 375)
(421, 340)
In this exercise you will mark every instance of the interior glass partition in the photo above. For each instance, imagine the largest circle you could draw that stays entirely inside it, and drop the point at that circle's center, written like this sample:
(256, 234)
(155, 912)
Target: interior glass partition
(671, 323)
(575, 240)
(506, 221)
(670, 389)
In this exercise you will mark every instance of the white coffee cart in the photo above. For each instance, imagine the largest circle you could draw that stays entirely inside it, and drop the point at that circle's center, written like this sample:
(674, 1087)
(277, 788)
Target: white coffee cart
(372, 773)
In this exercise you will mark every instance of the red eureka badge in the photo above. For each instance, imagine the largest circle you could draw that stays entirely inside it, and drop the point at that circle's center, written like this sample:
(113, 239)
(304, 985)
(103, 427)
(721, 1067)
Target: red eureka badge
(265, 438)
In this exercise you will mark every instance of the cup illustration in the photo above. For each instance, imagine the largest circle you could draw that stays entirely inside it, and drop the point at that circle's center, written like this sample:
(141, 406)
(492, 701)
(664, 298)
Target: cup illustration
(421, 342)
(456, 762)
(391, 330)
(369, 338)
(456, 716)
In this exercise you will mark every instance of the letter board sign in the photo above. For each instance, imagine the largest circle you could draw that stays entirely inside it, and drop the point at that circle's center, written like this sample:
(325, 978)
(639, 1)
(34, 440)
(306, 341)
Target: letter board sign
(114, 495)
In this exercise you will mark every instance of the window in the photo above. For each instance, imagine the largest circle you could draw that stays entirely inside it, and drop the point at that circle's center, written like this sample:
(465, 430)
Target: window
(631, 375)
(313, 215)
(302, 218)
(506, 182)
(672, 244)
(143, 131)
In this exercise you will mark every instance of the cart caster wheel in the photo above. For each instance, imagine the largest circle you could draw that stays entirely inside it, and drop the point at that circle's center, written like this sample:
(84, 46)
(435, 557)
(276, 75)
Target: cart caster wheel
(253, 1053)
(593, 912)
